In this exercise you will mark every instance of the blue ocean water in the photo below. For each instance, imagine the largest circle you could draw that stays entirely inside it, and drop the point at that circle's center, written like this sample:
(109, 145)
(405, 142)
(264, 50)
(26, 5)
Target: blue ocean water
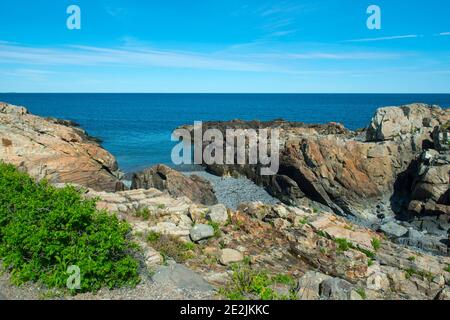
(136, 128)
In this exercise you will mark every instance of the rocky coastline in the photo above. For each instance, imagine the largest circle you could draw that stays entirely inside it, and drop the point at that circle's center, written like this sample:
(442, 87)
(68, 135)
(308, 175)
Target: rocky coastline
(392, 175)
(361, 214)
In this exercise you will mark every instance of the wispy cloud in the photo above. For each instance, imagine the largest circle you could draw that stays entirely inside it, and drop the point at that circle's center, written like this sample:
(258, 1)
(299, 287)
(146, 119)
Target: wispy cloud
(409, 36)
(281, 8)
(330, 56)
(444, 34)
(123, 56)
(279, 20)
(115, 12)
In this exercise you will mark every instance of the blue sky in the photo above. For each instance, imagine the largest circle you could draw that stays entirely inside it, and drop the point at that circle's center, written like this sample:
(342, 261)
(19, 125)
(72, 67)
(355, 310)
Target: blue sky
(225, 46)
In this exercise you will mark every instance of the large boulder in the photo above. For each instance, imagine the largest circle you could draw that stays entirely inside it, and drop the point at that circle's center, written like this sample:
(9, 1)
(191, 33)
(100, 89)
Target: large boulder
(390, 123)
(55, 150)
(163, 178)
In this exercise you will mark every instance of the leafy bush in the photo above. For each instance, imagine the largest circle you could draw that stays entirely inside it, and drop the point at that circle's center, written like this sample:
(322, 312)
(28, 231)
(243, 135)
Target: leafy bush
(44, 230)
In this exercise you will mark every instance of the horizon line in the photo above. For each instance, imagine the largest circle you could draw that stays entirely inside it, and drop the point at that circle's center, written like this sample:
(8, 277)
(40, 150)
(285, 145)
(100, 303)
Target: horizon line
(261, 93)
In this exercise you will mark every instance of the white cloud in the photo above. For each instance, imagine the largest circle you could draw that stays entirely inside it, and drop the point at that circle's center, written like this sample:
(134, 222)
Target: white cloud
(409, 36)
(114, 12)
(123, 56)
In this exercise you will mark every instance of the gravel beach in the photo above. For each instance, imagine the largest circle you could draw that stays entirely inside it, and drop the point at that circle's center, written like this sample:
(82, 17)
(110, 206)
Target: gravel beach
(233, 191)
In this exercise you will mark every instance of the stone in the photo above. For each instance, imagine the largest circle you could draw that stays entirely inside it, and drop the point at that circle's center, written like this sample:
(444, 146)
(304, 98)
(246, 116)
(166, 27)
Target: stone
(175, 183)
(335, 289)
(229, 256)
(218, 214)
(201, 231)
(393, 229)
(55, 150)
(444, 294)
(378, 281)
(152, 258)
(392, 122)
(309, 285)
(181, 277)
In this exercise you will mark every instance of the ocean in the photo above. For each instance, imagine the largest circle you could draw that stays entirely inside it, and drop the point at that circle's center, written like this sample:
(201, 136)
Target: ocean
(136, 128)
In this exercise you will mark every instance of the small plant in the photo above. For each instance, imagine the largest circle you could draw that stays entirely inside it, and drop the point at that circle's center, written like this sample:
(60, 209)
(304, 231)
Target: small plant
(171, 247)
(362, 293)
(412, 258)
(370, 262)
(303, 221)
(247, 261)
(424, 274)
(447, 268)
(216, 227)
(284, 279)
(143, 213)
(369, 254)
(376, 244)
(189, 246)
(315, 210)
(153, 236)
(410, 272)
(161, 206)
(248, 282)
(342, 244)
(321, 233)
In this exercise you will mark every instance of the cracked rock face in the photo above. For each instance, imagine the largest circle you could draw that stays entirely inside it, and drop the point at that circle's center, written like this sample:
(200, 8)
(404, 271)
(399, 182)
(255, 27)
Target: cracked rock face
(175, 183)
(349, 172)
(54, 150)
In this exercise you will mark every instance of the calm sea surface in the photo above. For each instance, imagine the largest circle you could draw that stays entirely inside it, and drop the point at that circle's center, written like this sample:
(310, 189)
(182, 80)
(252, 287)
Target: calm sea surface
(136, 128)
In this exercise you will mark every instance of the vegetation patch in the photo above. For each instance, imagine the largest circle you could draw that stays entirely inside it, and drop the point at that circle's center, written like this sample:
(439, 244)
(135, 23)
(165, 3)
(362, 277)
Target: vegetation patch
(216, 227)
(247, 283)
(344, 245)
(376, 244)
(171, 247)
(143, 213)
(362, 293)
(45, 230)
(425, 275)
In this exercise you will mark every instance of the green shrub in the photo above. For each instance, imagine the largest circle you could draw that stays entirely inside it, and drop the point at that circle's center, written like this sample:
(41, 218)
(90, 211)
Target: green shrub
(44, 230)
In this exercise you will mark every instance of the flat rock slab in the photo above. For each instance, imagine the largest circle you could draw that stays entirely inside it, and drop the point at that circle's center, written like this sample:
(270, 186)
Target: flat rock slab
(182, 278)
(201, 231)
(393, 229)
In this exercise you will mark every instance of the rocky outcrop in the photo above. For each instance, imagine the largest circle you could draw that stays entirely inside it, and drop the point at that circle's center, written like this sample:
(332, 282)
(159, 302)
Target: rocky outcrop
(350, 172)
(328, 256)
(163, 178)
(54, 150)
(390, 123)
